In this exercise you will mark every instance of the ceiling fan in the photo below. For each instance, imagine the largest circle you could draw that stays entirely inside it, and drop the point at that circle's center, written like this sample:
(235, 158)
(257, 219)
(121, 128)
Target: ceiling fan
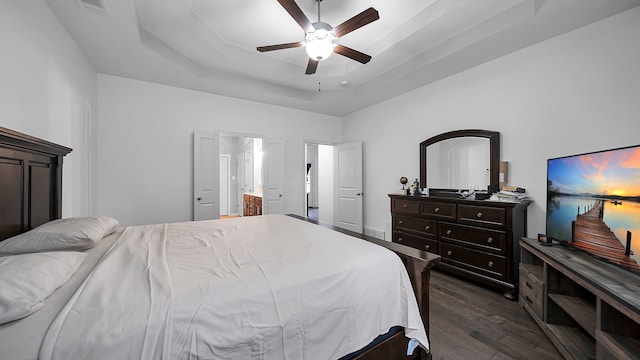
(320, 37)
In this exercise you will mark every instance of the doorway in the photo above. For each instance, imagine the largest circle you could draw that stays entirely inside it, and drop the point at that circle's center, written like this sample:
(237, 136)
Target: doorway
(259, 169)
(244, 176)
(319, 181)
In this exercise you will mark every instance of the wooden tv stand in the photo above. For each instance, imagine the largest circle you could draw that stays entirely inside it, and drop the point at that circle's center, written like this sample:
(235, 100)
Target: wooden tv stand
(588, 308)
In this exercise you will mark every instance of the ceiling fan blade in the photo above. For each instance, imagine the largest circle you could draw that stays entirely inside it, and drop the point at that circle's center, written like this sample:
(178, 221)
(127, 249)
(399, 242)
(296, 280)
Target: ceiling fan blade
(368, 16)
(296, 13)
(352, 54)
(311, 67)
(279, 46)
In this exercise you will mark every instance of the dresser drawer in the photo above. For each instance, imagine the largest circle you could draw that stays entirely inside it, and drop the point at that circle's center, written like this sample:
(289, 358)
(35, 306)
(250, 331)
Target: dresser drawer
(426, 227)
(482, 215)
(479, 262)
(401, 206)
(482, 239)
(532, 291)
(438, 210)
(416, 242)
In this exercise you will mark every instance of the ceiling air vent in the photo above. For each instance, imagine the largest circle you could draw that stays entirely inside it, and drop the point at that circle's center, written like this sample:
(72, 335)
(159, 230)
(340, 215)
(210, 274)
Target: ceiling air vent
(96, 6)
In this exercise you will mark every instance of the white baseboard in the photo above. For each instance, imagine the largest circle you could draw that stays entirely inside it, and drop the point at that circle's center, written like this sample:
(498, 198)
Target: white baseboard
(376, 233)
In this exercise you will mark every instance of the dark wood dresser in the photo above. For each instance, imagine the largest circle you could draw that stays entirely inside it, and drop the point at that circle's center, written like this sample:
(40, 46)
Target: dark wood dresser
(477, 239)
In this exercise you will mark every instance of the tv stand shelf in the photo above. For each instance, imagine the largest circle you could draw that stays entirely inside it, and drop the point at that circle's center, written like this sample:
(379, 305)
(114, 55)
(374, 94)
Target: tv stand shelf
(588, 308)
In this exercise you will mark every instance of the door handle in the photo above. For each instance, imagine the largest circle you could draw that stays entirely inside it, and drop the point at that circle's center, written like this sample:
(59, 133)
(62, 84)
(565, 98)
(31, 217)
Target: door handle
(358, 194)
(199, 198)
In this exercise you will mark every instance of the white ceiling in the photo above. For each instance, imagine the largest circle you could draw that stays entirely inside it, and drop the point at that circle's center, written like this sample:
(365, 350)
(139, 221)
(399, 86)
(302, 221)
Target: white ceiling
(210, 45)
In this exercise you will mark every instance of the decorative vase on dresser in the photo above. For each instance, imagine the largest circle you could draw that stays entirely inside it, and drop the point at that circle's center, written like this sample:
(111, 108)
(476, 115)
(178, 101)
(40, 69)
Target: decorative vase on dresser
(477, 239)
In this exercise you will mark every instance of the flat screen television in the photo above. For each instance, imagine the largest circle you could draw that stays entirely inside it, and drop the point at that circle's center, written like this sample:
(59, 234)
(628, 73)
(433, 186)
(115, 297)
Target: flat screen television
(593, 204)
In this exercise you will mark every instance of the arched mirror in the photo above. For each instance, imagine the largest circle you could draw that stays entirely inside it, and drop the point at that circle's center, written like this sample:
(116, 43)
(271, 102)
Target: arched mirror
(461, 159)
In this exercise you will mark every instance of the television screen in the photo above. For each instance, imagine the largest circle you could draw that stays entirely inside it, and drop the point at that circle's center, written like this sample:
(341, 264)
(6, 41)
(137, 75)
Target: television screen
(593, 203)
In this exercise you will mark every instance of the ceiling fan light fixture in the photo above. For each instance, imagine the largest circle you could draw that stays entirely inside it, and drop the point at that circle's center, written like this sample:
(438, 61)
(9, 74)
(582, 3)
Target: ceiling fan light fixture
(320, 44)
(321, 39)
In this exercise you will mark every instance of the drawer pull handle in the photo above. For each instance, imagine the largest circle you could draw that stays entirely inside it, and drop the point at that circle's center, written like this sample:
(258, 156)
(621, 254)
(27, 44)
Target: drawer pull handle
(405, 206)
(400, 222)
(479, 214)
(449, 252)
(399, 239)
(490, 240)
(528, 299)
(427, 227)
(449, 232)
(436, 209)
(490, 264)
(528, 285)
(427, 247)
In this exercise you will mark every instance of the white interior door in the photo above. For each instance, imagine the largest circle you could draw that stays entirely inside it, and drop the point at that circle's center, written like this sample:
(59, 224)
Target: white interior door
(348, 186)
(240, 169)
(224, 184)
(206, 178)
(273, 176)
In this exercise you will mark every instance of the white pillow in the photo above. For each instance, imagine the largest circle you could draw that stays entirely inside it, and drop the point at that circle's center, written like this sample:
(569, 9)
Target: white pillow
(76, 233)
(26, 280)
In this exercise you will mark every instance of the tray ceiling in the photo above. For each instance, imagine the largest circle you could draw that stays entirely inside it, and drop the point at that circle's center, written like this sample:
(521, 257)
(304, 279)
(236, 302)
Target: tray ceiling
(210, 45)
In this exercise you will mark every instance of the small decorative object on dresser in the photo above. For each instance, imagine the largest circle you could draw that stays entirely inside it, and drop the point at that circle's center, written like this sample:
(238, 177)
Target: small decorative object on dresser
(403, 181)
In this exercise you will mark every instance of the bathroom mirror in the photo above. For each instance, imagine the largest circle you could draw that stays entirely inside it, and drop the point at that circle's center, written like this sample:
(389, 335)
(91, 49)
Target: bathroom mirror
(460, 160)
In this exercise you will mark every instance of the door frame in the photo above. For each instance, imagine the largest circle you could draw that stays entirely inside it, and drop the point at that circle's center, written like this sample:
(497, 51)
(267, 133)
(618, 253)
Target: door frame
(239, 180)
(228, 157)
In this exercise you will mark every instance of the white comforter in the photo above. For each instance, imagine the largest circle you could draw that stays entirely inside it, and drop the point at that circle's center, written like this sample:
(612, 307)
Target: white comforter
(264, 287)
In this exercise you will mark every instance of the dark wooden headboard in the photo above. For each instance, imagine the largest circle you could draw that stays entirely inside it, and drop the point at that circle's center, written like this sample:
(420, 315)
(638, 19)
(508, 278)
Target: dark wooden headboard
(30, 182)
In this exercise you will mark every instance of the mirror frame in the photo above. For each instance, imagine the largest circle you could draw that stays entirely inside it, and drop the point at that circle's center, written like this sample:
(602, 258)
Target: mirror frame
(494, 152)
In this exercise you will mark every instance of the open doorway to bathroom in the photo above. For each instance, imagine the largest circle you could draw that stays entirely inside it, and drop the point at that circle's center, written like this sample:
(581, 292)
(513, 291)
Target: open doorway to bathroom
(319, 173)
(241, 186)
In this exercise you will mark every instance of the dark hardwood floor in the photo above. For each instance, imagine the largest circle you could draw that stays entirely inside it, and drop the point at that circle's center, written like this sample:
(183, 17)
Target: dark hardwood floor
(469, 321)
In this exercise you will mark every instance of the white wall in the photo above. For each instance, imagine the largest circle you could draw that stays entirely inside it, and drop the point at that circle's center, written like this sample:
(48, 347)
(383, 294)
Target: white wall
(145, 145)
(46, 87)
(575, 93)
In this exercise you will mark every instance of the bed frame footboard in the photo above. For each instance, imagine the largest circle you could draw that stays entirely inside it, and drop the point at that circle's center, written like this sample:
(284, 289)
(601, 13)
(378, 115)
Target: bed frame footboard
(418, 264)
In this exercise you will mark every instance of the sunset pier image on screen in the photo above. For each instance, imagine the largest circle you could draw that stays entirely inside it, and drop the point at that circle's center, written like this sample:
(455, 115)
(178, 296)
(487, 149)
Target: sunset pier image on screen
(593, 203)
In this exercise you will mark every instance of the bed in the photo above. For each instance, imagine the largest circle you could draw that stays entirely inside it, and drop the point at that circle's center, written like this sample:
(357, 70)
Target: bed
(265, 287)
